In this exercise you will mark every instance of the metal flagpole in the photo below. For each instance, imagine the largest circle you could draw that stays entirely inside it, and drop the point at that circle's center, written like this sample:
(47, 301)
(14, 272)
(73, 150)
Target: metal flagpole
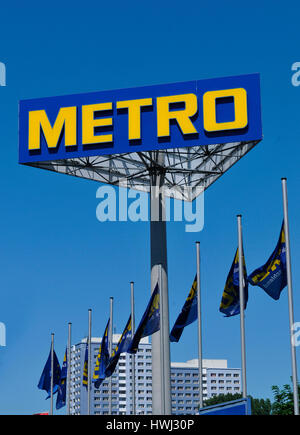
(132, 355)
(162, 352)
(290, 294)
(89, 361)
(158, 237)
(110, 351)
(242, 304)
(52, 374)
(69, 369)
(199, 327)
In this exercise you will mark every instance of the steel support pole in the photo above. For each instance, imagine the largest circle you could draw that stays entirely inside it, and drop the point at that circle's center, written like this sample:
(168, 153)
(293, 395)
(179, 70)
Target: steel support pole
(158, 236)
(89, 362)
(242, 304)
(200, 354)
(290, 295)
(69, 369)
(110, 350)
(132, 355)
(162, 352)
(52, 374)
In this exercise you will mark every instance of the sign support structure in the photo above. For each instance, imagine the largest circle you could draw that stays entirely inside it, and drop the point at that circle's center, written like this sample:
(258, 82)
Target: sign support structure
(161, 372)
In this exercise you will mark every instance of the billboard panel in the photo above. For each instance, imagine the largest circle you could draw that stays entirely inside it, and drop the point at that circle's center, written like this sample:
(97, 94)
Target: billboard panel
(187, 114)
(235, 407)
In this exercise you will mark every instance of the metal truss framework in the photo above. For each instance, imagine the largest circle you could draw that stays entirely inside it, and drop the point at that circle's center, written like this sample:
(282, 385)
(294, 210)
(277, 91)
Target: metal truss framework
(191, 169)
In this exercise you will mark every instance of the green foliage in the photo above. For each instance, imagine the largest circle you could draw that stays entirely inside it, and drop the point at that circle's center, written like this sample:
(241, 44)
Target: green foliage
(283, 400)
(283, 403)
(221, 398)
(258, 406)
(261, 406)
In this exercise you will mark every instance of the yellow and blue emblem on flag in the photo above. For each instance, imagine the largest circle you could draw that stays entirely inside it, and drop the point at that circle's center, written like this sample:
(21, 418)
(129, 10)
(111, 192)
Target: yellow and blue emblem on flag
(230, 303)
(187, 315)
(272, 276)
(121, 347)
(150, 322)
(102, 359)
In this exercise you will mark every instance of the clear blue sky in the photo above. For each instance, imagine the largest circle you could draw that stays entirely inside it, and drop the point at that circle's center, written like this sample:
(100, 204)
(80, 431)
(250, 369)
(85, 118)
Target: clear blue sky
(57, 260)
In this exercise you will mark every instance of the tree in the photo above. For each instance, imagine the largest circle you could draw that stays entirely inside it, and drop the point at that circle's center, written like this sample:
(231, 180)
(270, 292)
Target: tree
(258, 406)
(261, 406)
(283, 400)
(221, 398)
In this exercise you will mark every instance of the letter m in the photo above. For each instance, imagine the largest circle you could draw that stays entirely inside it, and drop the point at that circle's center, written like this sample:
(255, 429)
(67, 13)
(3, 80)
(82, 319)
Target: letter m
(65, 121)
(2, 74)
(2, 334)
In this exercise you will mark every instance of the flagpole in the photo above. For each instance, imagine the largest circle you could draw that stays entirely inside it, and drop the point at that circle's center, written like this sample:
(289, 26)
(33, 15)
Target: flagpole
(89, 362)
(52, 377)
(290, 294)
(110, 351)
(132, 355)
(199, 327)
(242, 305)
(69, 369)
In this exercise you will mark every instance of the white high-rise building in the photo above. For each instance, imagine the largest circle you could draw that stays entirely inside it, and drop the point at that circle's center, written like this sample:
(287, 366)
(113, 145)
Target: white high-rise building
(217, 379)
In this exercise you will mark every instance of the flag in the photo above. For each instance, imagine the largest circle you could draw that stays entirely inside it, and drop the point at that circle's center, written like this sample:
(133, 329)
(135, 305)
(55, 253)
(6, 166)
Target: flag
(102, 359)
(121, 347)
(86, 366)
(188, 314)
(272, 276)
(230, 304)
(150, 322)
(45, 380)
(62, 387)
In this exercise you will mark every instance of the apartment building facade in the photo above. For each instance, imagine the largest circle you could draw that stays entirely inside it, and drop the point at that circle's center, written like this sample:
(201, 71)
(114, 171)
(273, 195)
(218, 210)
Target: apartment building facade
(217, 379)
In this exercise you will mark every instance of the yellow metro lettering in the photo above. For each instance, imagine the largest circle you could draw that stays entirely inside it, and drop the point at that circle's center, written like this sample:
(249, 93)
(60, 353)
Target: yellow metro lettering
(164, 115)
(134, 115)
(38, 120)
(89, 123)
(66, 120)
(240, 108)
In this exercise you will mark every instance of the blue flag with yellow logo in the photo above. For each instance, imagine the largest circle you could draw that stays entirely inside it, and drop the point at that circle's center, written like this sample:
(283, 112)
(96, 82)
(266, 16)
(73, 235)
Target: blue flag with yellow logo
(187, 315)
(272, 276)
(121, 347)
(62, 387)
(150, 322)
(102, 359)
(85, 366)
(45, 380)
(230, 303)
